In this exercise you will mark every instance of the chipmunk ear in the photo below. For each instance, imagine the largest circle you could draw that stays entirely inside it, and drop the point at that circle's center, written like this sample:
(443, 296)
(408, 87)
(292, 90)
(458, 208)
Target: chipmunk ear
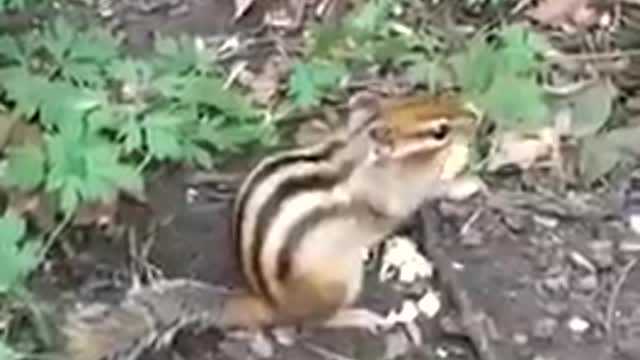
(380, 142)
(364, 108)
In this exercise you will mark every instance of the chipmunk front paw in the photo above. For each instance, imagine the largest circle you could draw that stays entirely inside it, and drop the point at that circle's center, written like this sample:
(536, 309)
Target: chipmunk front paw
(359, 318)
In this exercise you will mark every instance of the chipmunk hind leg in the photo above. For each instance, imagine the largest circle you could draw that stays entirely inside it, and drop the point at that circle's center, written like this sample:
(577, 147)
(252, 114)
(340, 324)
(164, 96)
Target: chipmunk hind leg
(326, 297)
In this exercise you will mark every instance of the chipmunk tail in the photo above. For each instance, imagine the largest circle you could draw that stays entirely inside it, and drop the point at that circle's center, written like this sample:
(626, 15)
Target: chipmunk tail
(149, 317)
(101, 331)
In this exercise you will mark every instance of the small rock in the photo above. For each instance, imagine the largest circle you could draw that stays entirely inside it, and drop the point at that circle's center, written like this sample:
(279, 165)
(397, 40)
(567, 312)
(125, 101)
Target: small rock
(546, 221)
(556, 308)
(430, 304)
(629, 347)
(581, 261)
(454, 210)
(545, 328)
(578, 324)
(450, 324)
(407, 313)
(465, 188)
(520, 338)
(262, 347)
(472, 238)
(396, 345)
(587, 283)
(556, 283)
(544, 357)
(516, 223)
(632, 245)
(402, 257)
(634, 223)
(602, 253)
(284, 335)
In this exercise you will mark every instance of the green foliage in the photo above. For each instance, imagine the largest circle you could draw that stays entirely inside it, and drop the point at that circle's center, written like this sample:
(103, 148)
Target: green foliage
(368, 37)
(104, 116)
(7, 353)
(17, 254)
(498, 73)
(308, 81)
(16, 5)
(601, 153)
(25, 167)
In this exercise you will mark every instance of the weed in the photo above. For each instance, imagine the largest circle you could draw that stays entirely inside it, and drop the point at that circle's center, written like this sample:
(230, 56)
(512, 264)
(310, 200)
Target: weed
(103, 116)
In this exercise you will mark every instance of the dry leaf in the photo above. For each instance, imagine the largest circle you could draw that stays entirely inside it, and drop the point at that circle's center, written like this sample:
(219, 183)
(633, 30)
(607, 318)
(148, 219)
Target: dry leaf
(397, 344)
(96, 213)
(601, 153)
(241, 8)
(37, 206)
(264, 86)
(524, 151)
(559, 12)
(591, 107)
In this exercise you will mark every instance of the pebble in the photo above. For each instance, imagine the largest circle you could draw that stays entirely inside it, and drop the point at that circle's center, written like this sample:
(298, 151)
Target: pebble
(545, 328)
(578, 324)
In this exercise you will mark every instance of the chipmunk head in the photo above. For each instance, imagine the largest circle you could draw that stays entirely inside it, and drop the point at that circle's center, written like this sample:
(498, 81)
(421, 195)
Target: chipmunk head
(413, 130)
(413, 146)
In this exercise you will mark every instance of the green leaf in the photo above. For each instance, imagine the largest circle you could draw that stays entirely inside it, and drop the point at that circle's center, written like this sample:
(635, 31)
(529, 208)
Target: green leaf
(523, 109)
(9, 50)
(307, 82)
(224, 135)
(133, 72)
(25, 167)
(69, 198)
(178, 55)
(519, 49)
(132, 134)
(95, 45)
(599, 154)
(371, 16)
(325, 39)
(65, 106)
(199, 156)
(163, 143)
(7, 353)
(86, 73)
(85, 167)
(127, 178)
(27, 90)
(17, 260)
(592, 107)
(210, 91)
(58, 38)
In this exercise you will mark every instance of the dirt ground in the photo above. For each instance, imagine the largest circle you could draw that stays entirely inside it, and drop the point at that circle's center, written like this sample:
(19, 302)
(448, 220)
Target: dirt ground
(526, 271)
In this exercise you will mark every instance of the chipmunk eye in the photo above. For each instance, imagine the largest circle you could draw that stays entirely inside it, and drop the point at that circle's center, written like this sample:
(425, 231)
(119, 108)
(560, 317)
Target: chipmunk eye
(440, 132)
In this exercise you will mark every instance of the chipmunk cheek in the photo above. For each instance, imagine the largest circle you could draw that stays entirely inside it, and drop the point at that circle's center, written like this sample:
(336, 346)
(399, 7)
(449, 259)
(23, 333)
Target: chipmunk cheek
(457, 158)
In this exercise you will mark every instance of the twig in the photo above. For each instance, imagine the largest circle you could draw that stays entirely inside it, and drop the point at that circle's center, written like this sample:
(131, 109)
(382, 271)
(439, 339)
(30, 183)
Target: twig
(615, 294)
(326, 353)
(53, 235)
(607, 55)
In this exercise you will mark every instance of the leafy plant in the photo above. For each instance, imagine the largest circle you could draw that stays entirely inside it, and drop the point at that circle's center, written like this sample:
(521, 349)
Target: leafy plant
(497, 63)
(368, 37)
(309, 80)
(18, 255)
(104, 117)
(16, 5)
(7, 353)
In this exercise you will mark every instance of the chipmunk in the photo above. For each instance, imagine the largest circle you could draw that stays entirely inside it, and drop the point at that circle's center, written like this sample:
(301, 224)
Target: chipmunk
(301, 221)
